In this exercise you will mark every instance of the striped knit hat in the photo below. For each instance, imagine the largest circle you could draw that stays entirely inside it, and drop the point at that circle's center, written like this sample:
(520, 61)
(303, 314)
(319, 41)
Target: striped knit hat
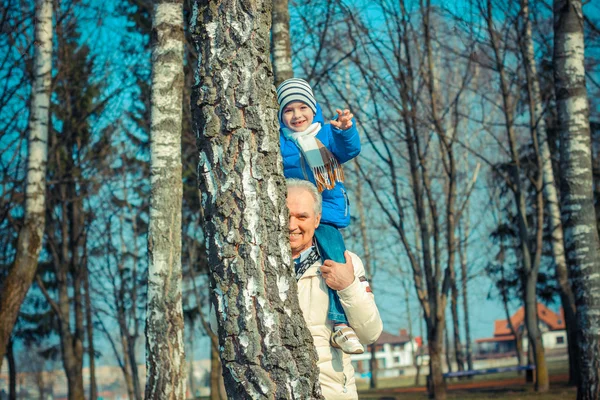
(295, 89)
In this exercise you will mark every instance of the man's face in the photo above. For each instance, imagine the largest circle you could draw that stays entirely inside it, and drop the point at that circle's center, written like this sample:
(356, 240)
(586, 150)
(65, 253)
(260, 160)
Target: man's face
(303, 219)
(297, 116)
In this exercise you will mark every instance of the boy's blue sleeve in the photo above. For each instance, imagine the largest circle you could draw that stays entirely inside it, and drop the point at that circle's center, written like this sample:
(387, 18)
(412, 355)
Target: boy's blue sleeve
(345, 145)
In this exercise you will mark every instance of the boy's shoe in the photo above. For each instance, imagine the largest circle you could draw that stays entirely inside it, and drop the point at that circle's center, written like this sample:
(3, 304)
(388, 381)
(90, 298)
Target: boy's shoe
(346, 340)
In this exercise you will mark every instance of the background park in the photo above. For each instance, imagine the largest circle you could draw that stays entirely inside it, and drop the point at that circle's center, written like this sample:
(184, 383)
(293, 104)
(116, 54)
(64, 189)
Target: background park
(141, 181)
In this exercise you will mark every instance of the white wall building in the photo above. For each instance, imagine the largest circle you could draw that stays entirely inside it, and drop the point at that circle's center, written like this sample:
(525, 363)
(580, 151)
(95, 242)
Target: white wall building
(393, 353)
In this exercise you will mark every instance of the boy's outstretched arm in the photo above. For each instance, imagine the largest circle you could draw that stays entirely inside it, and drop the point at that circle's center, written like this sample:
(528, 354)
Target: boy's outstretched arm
(346, 141)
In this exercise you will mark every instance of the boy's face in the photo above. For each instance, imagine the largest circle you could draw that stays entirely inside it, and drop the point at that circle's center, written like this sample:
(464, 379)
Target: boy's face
(297, 116)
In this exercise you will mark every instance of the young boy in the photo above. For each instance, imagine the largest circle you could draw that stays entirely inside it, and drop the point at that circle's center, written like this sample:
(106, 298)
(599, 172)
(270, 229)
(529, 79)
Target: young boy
(314, 151)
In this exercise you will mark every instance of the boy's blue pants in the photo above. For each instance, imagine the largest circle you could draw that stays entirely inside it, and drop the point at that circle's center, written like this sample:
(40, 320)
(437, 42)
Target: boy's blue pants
(331, 247)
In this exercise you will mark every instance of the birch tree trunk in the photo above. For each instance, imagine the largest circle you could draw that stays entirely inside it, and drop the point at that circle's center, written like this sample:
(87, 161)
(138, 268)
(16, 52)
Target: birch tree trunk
(165, 360)
(29, 243)
(538, 124)
(577, 202)
(266, 349)
(281, 47)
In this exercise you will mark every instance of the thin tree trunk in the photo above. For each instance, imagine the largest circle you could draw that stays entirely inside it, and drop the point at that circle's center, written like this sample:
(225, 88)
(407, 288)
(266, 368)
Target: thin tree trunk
(368, 269)
(458, 352)
(127, 368)
(281, 48)
(254, 292)
(447, 350)
(29, 243)
(192, 385)
(419, 359)
(463, 256)
(90, 336)
(165, 358)
(217, 386)
(411, 337)
(538, 124)
(135, 375)
(12, 371)
(577, 203)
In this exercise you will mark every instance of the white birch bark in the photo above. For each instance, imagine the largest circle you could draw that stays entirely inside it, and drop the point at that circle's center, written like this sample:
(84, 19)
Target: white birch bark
(265, 347)
(281, 48)
(577, 202)
(165, 361)
(31, 235)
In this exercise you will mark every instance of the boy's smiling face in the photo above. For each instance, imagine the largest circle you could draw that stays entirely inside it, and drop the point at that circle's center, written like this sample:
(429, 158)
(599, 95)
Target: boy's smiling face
(297, 116)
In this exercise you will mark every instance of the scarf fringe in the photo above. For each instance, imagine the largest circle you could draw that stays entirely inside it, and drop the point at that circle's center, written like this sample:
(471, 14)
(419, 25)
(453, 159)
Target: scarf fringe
(327, 175)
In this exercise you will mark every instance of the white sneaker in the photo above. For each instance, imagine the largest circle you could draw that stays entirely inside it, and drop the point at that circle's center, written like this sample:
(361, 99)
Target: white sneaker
(346, 340)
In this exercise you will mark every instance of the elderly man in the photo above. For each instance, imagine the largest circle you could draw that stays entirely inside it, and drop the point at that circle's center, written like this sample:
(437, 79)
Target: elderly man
(314, 277)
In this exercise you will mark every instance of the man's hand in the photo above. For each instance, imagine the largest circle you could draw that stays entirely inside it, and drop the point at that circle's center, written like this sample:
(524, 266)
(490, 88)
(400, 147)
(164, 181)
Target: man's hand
(338, 276)
(344, 120)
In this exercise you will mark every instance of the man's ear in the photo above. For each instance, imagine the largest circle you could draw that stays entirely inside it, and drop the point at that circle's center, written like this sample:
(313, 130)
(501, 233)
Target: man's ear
(318, 220)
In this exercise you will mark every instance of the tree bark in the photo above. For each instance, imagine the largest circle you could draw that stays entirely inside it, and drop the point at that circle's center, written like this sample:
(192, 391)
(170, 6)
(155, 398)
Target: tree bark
(577, 203)
(12, 371)
(538, 124)
(127, 369)
(29, 243)
(90, 336)
(217, 386)
(266, 349)
(281, 48)
(436, 371)
(463, 256)
(447, 350)
(165, 359)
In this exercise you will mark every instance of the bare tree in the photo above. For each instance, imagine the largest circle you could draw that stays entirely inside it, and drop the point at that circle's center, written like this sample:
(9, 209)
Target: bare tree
(364, 236)
(266, 349)
(577, 202)
(538, 125)
(165, 360)
(530, 259)
(29, 244)
(281, 48)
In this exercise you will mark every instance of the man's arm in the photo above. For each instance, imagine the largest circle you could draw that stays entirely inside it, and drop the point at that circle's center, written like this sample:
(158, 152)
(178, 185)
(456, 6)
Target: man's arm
(359, 304)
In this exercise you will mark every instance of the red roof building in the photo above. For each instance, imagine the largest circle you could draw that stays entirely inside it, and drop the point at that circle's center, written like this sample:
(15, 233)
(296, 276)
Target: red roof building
(552, 326)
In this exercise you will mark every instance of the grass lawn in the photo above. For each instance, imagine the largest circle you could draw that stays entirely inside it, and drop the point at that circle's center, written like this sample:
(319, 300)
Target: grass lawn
(508, 385)
(513, 393)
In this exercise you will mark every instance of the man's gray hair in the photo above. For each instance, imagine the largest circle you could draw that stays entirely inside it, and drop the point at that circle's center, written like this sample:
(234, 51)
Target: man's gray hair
(310, 188)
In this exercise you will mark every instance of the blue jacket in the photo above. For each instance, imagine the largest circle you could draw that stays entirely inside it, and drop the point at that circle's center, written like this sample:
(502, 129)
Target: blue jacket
(345, 145)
